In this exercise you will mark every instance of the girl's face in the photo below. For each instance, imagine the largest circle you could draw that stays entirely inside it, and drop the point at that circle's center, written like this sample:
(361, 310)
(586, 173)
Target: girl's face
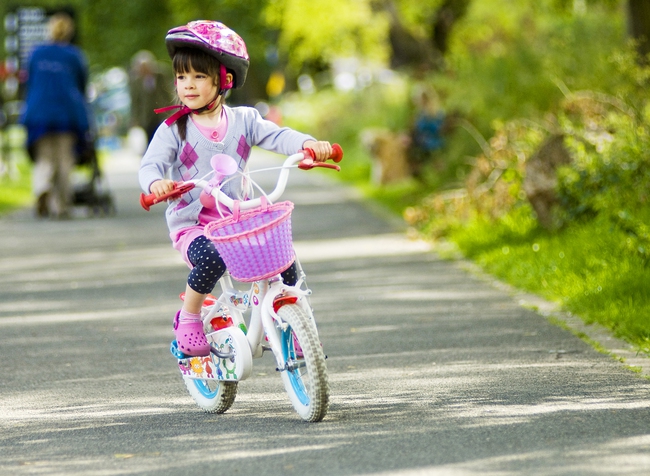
(195, 89)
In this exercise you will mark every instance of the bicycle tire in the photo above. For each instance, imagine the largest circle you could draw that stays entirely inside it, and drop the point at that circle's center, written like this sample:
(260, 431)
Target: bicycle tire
(307, 384)
(213, 396)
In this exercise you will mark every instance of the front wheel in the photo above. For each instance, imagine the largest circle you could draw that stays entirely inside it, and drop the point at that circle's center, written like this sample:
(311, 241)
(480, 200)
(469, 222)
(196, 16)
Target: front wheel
(305, 376)
(218, 395)
(213, 396)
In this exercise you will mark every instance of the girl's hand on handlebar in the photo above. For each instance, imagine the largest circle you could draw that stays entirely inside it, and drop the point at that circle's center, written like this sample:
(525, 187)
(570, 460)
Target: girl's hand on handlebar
(159, 192)
(161, 187)
(322, 149)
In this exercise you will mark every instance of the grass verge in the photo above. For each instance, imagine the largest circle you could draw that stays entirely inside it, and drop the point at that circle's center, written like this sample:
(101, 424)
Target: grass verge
(15, 170)
(584, 268)
(15, 192)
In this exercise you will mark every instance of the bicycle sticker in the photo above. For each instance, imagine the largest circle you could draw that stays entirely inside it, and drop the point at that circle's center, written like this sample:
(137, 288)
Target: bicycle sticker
(205, 368)
(239, 300)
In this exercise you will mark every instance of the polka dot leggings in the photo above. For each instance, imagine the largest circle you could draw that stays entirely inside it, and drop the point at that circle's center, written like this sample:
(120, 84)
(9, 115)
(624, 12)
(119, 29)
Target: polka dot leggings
(209, 267)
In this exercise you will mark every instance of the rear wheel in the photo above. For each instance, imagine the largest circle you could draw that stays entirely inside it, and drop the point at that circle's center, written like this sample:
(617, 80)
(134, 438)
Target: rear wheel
(305, 377)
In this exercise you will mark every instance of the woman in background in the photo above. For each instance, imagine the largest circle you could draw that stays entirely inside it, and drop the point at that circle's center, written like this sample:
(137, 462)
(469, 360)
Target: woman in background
(56, 116)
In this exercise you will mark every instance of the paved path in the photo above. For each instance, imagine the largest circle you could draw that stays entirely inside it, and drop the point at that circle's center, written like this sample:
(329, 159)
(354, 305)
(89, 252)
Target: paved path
(433, 368)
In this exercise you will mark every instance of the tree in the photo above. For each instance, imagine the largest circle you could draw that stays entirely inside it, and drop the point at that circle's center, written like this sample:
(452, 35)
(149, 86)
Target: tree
(434, 23)
(112, 35)
(404, 33)
(315, 31)
(308, 33)
(143, 24)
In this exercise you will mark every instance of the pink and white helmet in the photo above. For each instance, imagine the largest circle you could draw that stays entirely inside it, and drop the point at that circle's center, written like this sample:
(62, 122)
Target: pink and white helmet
(217, 40)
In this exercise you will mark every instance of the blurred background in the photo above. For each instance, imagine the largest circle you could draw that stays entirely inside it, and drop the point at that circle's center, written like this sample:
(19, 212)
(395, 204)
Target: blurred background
(517, 129)
(479, 61)
(427, 80)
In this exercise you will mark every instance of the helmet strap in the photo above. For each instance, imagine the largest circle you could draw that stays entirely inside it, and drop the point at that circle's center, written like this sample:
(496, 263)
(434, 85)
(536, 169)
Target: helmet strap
(208, 106)
(184, 110)
(223, 87)
(223, 78)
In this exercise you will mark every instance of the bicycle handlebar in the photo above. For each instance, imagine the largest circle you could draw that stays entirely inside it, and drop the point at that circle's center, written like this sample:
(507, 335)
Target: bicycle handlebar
(305, 158)
(146, 201)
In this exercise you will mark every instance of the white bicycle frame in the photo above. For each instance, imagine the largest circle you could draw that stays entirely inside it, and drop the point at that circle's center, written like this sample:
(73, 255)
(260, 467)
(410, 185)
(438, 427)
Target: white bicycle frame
(259, 299)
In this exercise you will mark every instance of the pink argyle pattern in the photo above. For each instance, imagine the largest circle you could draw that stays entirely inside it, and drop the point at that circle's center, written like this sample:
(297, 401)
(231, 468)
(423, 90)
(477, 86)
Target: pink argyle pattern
(188, 160)
(243, 149)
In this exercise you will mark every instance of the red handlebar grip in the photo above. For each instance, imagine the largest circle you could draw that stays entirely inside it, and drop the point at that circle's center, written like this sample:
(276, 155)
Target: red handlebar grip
(147, 200)
(179, 189)
(337, 153)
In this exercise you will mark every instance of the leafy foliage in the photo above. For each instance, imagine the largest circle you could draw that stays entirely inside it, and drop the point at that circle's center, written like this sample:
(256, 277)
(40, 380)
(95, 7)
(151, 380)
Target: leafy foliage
(517, 61)
(317, 30)
(520, 106)
(594, 94)
(341, 116)
(610, 173)
(492, 189)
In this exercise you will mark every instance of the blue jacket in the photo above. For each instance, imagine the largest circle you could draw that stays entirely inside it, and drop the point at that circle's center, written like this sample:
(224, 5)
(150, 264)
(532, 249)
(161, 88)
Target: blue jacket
(56, 92)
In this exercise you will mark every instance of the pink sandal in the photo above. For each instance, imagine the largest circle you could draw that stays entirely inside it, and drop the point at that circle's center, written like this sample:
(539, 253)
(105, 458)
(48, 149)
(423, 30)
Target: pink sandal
(190, 337)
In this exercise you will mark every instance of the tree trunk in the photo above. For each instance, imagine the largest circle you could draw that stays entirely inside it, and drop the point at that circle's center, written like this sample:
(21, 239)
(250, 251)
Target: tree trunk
(407, 50)
(423, 53)
(639, 25)
(447, 15)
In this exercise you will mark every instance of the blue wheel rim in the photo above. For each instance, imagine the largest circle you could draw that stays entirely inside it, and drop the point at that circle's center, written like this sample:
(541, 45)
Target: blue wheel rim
(205, 390)
(289, 353)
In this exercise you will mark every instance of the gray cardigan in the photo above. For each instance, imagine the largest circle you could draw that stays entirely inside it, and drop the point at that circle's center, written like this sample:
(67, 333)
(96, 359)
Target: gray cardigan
(168, 156)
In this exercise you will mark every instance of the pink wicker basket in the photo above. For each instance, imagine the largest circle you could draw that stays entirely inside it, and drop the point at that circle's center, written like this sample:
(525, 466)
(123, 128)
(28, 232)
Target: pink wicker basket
(255, 244)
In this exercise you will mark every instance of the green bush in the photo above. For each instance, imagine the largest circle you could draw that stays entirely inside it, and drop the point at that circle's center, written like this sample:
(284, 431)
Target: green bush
(518, 76)
(343, 116)
(518, 62)
(610, 174)
(15, 192)
(15, 180)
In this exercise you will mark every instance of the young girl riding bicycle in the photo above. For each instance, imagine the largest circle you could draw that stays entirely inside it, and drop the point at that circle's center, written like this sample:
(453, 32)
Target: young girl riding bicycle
(208, 59)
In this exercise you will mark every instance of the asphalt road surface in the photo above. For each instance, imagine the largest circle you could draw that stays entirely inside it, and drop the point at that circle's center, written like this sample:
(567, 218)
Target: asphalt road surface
(434, 370)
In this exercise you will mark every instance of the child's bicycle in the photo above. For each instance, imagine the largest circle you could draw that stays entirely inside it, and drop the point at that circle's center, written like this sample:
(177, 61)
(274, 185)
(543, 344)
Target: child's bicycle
(256, 244)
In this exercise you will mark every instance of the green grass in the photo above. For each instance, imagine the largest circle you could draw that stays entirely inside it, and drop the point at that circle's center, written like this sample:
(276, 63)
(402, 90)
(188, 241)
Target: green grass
(15, 192)
(513, 84)
(15, 183)
(584, 268)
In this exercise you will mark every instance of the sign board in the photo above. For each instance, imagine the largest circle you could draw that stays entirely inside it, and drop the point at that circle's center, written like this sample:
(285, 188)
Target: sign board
(25, 28)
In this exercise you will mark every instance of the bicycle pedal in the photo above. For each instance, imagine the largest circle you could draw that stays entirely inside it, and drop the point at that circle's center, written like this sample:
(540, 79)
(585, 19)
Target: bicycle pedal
(173, 348)
(222, 355)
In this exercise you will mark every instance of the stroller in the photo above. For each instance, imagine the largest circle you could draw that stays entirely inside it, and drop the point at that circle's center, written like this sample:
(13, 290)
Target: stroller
(93, 194)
